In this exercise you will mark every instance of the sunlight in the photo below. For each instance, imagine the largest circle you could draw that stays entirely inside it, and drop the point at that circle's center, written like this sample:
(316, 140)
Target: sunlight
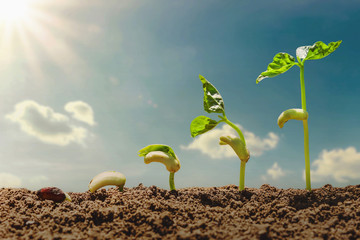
(13, 10)
(30, 31)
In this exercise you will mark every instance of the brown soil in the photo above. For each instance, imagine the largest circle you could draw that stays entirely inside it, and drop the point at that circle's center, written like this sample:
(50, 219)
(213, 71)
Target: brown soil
(189, 213)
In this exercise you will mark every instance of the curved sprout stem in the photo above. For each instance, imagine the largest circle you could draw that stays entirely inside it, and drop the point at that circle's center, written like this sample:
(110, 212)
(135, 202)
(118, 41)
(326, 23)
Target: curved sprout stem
(243, 163)
(224, 119)
(171, 181)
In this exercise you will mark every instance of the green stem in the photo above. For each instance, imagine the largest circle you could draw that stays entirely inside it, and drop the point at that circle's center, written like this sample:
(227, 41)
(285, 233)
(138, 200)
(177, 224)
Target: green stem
(243, 163)
(242, 176)
(171, 181)
(121, 188)
(307, 156)
(236, 129)
(306, 129)
(302, 85)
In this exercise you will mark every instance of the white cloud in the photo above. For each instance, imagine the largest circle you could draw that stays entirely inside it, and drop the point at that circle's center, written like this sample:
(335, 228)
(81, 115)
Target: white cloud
(341, 165)
(275, 172)
(208, 143)
(46, 125)
(257, 146)
(81, 111)
(8, 180)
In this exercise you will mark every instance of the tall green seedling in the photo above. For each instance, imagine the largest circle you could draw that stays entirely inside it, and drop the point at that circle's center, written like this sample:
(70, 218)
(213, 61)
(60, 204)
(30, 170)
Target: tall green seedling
(283, 62)
(213, 103)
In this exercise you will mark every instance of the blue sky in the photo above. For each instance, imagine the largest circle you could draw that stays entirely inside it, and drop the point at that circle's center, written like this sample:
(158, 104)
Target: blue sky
(85, 84)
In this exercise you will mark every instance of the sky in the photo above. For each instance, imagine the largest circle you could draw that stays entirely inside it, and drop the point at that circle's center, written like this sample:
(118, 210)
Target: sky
(84, 85)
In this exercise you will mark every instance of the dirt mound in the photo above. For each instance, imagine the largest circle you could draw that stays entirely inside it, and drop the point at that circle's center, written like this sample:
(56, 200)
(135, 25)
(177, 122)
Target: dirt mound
(189, 213)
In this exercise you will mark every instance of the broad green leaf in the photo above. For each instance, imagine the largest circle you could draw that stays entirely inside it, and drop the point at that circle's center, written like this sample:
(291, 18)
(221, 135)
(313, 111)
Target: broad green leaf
(281, 63)
(213, 102)
(156, 147)
(317, 51)
(201, 124)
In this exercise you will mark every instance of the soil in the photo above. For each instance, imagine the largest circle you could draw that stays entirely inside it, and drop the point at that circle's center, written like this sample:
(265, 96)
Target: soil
(190, 213)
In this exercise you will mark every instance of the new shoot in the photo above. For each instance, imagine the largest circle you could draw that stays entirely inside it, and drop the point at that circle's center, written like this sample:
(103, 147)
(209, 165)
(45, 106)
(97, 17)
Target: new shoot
(162, 154)
(283, 62)
(213, 103)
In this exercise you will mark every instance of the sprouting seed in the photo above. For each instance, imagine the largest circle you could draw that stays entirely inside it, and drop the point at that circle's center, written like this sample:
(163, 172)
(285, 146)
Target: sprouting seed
(162, 154)
(108, 178)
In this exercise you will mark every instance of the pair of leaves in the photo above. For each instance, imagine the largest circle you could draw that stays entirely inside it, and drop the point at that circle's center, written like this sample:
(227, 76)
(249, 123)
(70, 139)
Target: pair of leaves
(213, 103)
(157, 147)
(283, 61)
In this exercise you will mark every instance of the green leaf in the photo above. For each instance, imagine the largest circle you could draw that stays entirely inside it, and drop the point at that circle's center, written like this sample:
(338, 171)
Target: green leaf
(201, 124)
(156, 147)
(213, 102)
(317, 51)
(281, 63)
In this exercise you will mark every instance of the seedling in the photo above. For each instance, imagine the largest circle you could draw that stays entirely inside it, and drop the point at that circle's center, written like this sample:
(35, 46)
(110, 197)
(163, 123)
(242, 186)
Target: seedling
(107, 178)
(213, 103)
(283, 62)
(162, 154)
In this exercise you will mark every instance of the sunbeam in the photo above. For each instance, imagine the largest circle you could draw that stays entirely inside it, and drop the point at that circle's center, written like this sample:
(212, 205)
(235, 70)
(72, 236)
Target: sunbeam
(31, 30)
(13, 10)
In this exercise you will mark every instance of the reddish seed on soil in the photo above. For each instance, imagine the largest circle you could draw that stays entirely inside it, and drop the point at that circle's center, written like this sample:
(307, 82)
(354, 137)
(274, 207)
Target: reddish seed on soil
(51, 193)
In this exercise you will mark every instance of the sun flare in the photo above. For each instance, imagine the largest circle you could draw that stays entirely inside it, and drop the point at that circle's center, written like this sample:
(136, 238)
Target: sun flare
(33, 30)
(13, 10)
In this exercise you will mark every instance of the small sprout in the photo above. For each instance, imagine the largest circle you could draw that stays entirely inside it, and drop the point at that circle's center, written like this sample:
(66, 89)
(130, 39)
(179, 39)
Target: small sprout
(53, 193)
(294, 113)
(162, 154)
(213, 103)
(283, 62)
(237, 145)
(107, 178)
(172, 164)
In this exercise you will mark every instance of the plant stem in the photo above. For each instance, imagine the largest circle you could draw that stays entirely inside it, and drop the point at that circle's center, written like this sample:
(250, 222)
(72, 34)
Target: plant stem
(306, 129)
(307, 157)
(121, 188)
(171, 181)
(242, 176)
(236, 129)
(302, 85)
(243, 163)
